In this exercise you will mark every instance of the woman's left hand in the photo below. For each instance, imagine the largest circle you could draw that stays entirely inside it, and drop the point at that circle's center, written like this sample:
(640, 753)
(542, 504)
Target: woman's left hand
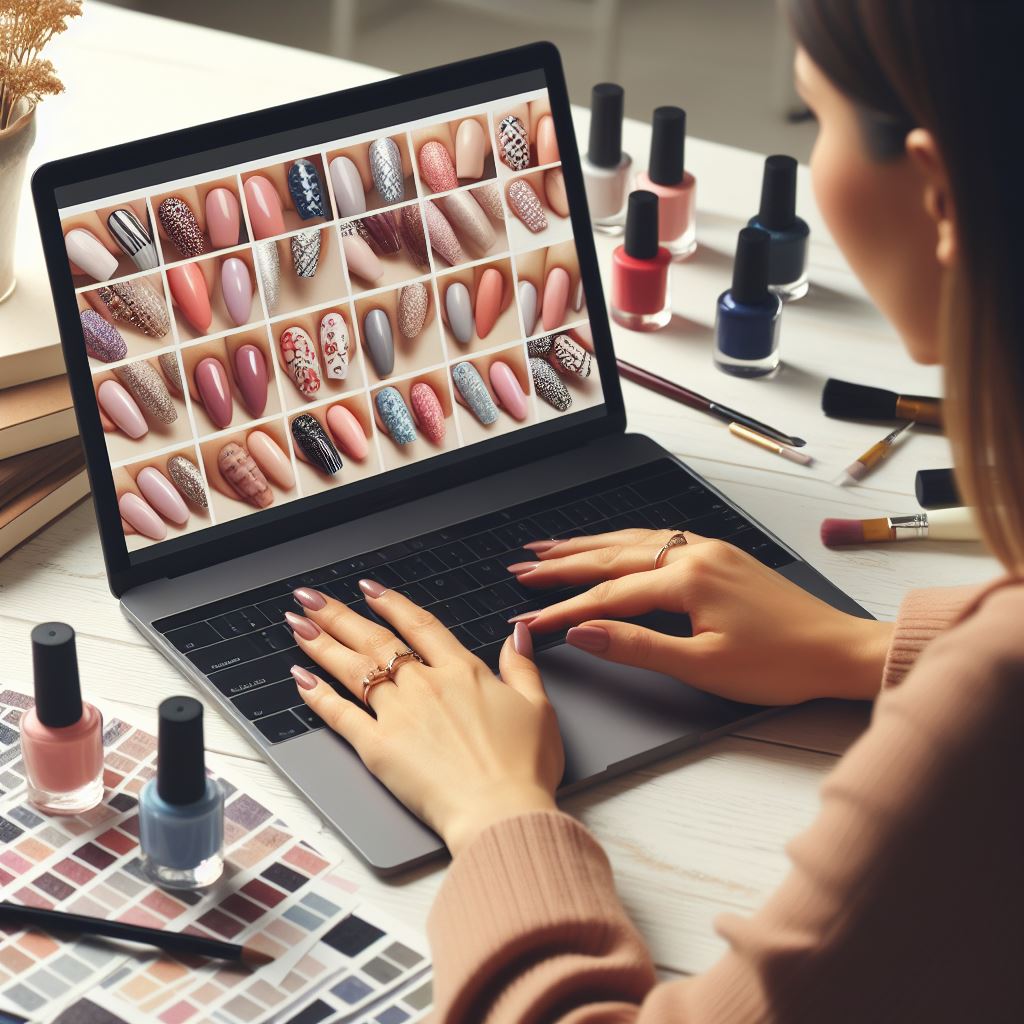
(458, 746)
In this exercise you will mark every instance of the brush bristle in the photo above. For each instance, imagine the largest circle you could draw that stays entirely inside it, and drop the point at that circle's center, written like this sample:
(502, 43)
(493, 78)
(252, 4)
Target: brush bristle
(837, 533)
(849, 401)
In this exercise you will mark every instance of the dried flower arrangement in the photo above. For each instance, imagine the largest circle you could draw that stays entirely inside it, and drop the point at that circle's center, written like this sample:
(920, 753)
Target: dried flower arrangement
(26, 27)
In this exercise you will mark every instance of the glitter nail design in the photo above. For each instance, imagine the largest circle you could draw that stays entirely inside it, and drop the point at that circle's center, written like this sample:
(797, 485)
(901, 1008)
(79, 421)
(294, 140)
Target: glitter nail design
(540, 346)
(436, 167)
(268, 265)
(239, 468)
(474, 391)
(429, 413)
(572, 356)
(300, 360)
(182, 227)
(185, 475)
(386, 170)
(138, 304)
(489, 199)
(414, 237)
(381, 231)
(413, 305)
(526, 205)
(315, 444)
(548, 385)
(395, 414)
(147, 387)
(306, 189)
(514, 143)
(103, 340)
(172, 371)
(134, 239)
(442, 237)
(334, 345)
(306, 252)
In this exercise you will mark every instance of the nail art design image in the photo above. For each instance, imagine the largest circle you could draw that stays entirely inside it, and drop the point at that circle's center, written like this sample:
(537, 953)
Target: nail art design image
(413, 306)
(348, 187)
(306, 189)
(490, 202)
(395, 415)
(223, 217)
(508, 389)
(528, 305)
(381, 231)
(133, 238)
(252, 378)
(414, 237)
(442, 238)
(473, 390)
(268, 266)
(386, 170)
(191, 295)
(147, 387)
(540, 347)
(380, 342)
(185, 475)
(211, 381)
(236, 289)
(470, 149)
(300, 360)
(239, 469)
(161, 495)
(459, 308)
(306, 252)
(514, 143)
(429, 413)
(121, 409)
(548, 384)
(271, 459)
(526, 206)
(138, 304)
(572, 356)
(172, 371)
(334, 345)
(181, 226)
(315, 444)
(137, 514)
(436, 167)
(103, 340)
(348, 432)
(466, 216)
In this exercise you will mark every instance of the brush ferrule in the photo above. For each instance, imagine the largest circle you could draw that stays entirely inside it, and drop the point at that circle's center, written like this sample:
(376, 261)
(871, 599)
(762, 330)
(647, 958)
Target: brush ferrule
(910, 527)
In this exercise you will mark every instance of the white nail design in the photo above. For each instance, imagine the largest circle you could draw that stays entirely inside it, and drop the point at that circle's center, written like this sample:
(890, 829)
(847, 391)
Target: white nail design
(460, 311)
(528, 305)
(348, 187)
(86, 251)
(334, 345)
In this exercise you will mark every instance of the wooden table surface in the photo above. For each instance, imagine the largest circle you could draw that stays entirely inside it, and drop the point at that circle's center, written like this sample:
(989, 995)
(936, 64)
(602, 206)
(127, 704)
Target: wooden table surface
(692, 836)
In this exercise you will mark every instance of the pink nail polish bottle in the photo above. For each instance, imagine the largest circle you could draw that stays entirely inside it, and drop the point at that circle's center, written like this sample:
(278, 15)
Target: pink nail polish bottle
(62, 736)
(674, 186)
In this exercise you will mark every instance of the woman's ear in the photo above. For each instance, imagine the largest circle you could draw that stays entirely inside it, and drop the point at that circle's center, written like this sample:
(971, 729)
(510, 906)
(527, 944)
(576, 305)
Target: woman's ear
(938, 198)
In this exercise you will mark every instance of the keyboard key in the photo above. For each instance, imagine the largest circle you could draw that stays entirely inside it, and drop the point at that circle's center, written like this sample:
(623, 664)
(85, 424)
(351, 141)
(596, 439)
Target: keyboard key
(385, 575)
(454, 555)
(275, 608)
(453, 611)
(395, 551)
(268, 700)
(345, 589)
(226, 653)
(761, 547)
(493, 627)
(281, 727)
(189, 638)
(416, 592)
(449, 584)
(661, 487)
(552, 523)
(415, 567)
(308, 717)
(485, 545)
(495, 598)
(463, 635)
(240, 678)
(664, 513)
(492, 570)
(514, 536)
(276, 638)
(244, 620)
(581, 513)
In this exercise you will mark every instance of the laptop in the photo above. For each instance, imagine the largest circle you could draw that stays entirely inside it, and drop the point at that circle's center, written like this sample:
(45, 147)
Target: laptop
(303, 351)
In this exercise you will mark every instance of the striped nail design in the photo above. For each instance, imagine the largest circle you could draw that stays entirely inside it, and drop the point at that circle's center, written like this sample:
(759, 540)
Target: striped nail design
(306, 252)
(239, 468)
(138, 304)
(381, 231)
(386, 170)
(133, 238)
(514, 143)
(315, 444)
(395, 415)
(307, 190)
(181, 226)
(473, 389)
(548, 385)
(103, 340)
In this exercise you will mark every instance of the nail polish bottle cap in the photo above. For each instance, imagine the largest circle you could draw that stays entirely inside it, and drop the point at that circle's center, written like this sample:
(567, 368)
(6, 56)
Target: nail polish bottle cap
(606, 110)
(750, 271)
(778, 193)
(181, 763)
(641, 238)
(55, 671)
(668, 141)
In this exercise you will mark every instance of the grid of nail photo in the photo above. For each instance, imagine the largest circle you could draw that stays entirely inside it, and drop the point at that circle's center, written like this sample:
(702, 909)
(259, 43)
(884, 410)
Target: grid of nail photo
(282, 328)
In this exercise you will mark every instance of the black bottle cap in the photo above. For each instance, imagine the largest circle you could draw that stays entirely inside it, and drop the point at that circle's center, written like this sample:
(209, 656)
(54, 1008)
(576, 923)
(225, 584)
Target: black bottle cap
(55, 670)
(181, 763)
(936, 488)
(750, 271)
(778, 193)
(606, 110)
(668, 142)
(641, 241)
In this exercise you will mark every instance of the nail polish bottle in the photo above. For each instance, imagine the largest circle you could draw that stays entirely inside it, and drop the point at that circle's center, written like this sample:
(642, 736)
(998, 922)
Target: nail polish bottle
(62, 736)
(605, 167)
(674, 186)
(787, 256)
(640, 297)
(181, 811)
(749, 314)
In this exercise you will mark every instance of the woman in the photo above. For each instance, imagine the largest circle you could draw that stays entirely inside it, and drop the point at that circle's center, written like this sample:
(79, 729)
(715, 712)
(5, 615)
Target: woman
(904, 901)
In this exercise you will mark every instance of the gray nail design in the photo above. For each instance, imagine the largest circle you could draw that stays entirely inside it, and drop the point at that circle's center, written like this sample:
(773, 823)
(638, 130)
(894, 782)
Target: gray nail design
(185, 475)
(306, 252)
(474, 391)
(147, 387)
(103, 340)
(572, 356)
(380, 342)
(395, 414)
(548, 385)
(460, 311)
(514, 143)
(540, 346)
(268, 266)
(315, 444)
(133, 238)
(172, 370)
(386, 169)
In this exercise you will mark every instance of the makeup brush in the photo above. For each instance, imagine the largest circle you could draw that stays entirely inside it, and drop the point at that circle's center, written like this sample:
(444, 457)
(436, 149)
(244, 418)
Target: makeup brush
(769, 444)
(863, 464)
(944, 524)
(57, 922)
(847, 401)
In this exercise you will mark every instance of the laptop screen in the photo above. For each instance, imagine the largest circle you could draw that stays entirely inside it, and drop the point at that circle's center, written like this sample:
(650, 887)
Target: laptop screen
(273, 322)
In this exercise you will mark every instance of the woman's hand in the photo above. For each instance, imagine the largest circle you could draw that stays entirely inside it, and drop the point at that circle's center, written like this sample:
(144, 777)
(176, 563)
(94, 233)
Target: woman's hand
(757, 637)
(459, 747)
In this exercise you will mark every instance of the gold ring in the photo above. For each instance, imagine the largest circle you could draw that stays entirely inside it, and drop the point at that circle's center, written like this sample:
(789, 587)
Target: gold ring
(387, 672)
(675, 541)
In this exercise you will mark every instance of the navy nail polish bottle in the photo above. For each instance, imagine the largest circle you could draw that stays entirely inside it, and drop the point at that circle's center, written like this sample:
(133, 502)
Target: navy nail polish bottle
(749, 313)
(787, 260)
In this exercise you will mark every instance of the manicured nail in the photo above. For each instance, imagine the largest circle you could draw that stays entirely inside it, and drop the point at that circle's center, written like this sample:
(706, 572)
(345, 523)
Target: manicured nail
(528, 305)
(334, 345)
(526, 618)
(522, 640)
(371, 588)
(300, 360)
(147, 387)
(467, 217)
(90, 255)
(459, 307)
(548, 385)
(186, 477)
(413, 305)
(588, 638)
(315, 444)
(490, 202)
(133, 238)
(266, 214)
(268, 266)
(395, 415)
(556, 298)
(348, 187)
(526, 206)
(386, 170)
(429, 413)
(436, 167)
(578, 296)
(380, 342)
(103, 340)
(554, 191)
(547, 143)
(239, 468)
(522, 568)
(572, 356)
(311, 599)
(362, 260)
(443, 239)
(306, 189)
(191, 296)
(414, 237)
(214, 391)
(488, 301)
(306, 252)
(236, 288)
(223, 218)
(540, 546)
(139, 515)
(540, 347)
(182, 227)
(513, 143)
(138, 304)
(472, 388)
(301, 626)
(120, 407)
(347, 432)
(508, 389)
(304, 678)
(172, 372)
(252, 378)
(381, 231)
(161, 495)
(470, 149)
(276, 465)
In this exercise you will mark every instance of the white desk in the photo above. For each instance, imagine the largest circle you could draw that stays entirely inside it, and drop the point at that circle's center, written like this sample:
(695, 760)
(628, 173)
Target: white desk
(703, 832)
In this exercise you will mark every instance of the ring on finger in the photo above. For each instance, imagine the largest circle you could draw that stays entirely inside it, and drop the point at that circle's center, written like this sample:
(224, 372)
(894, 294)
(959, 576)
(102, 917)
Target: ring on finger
(386, 673)
(675, 541)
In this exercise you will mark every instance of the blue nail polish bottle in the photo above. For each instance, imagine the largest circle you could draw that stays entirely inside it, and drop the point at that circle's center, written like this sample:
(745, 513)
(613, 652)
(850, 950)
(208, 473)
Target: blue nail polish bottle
(749, 314)
(787, 259)
(181, 811)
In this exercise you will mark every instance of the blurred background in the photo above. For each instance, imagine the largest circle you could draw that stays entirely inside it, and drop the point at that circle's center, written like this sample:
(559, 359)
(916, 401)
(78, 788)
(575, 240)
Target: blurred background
(728, 62)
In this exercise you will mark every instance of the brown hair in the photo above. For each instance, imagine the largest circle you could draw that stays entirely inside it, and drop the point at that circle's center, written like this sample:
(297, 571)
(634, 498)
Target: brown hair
(953, 67)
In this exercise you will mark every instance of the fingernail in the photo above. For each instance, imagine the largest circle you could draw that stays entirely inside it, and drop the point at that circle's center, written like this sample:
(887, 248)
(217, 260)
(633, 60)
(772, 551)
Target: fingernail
(304, 678)
(301, 626)
(465, 215)
(547, 143)
(540, 347)
(348, 187)
(380, 342)
(508, 389)
(214, 391)
(414, 237)
(540, 546)
(307, 190)
(443, 239)
(239, 468)
(311, 599)
(522, 568)
(362, 260)
(460, 311)
(528, 305)
(90, 255)
(588, 638)
(160, 493)
(578, 296)
(470, 149)
(526, 618)
(271, 459)
(371, 588)
(513, 143)
(315, 444)
(268, 267)
(120, 407)
(413, 305)
(266, 214)
(137, 303)
(103, 340)
(347, 432)
(138, 514)
(223, 217)
(300, 360)
(236, 287)
(395, 414)
(306, 252)
(172, 371)
(488, 301)
(148, 389)
(555, 193)
(474, 391)
(133, 238)
(436, 167)
(386, 170)
(556, 298)
(182, 227)
(334, 345)
(548, 385)
(191, 296)
(186, 477)
(572, 356)
(381, 231)
(522, 640)
(252, 377)
(489, 199)
(429, 413)
(526, 206)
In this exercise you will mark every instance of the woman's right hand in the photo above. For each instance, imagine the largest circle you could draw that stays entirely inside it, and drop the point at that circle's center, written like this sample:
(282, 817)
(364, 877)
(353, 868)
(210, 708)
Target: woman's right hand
(757, 637)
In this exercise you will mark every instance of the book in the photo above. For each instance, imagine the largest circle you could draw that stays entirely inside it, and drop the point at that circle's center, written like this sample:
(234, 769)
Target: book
(20, 472)
(35, 414)
(42, 502)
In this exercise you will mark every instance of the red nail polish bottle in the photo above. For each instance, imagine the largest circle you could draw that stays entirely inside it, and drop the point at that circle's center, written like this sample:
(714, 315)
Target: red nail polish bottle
(640, 297)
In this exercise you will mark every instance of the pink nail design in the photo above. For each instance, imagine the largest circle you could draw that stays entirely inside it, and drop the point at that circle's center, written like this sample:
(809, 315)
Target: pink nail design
(223, 217)
(413, 305)
(526, 206)
(311, 599)
(436, 167)
(508, 389)
(301, 626)
(239, 469)
(236, 287)
(347, 432)
(442, 238)
(428, 411)
(271, 459)
(252, 378)
(214, 391)
(120, 407)
(304, 678)
(192, 297)
(371, 588)
(556, 298)
(266, 214)
(161, 494)
(488, 301)
(300, 359)
(141, 517)
(334, 345)
(361, 259)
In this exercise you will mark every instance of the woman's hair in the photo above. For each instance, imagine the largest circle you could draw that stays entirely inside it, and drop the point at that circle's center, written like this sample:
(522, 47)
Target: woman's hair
(954, 68)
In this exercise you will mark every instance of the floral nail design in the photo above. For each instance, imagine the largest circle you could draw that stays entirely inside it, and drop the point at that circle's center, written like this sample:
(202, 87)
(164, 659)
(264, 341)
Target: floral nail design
(300, 360)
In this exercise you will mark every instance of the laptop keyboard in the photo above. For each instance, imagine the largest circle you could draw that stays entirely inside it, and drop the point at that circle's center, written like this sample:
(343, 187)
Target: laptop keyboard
(245, 649)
